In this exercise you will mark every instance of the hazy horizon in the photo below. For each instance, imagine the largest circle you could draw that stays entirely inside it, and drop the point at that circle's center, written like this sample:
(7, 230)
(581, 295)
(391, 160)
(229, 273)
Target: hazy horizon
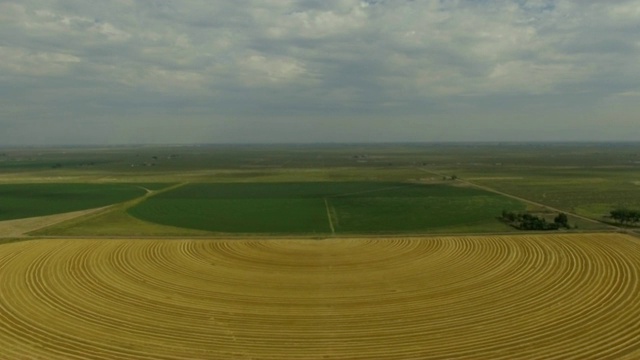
(169, 72)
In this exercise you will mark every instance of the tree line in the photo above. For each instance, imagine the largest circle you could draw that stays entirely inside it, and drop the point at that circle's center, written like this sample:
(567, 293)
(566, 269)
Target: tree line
(625, 216)
(526, 221)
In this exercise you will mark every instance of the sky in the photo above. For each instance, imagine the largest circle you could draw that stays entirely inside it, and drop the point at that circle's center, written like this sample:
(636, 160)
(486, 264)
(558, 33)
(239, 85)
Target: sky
(309, 71)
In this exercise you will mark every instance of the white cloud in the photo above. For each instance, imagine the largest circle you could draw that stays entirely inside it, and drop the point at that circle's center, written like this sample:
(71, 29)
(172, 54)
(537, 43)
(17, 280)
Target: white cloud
(517, 76)
(257, 70)
(626, 12)
(35, 63)
(349, 16)
(337, 56)
(12, 12)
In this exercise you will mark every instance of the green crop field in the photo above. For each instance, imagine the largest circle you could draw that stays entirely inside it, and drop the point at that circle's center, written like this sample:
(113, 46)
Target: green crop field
(29, 200)
(326, 207)
(420, 208)
(581, 179)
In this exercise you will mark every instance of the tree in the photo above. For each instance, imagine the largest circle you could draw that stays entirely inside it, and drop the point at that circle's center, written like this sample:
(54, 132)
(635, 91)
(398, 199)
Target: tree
(526, 221)
(562, 220)
(625, 216)
(508, 216)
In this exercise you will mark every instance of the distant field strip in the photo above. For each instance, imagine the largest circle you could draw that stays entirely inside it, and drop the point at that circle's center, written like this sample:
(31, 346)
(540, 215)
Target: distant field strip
(20, 227)
(19, 201)
(325, 208)
(494, 297)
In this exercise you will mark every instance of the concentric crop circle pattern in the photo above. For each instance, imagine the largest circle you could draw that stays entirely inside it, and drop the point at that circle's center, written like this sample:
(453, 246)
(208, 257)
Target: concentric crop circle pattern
(499, 297)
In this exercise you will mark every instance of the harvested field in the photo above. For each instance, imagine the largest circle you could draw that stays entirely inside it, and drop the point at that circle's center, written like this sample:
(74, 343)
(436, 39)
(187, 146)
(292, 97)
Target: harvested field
(19, 227)
(500, 297)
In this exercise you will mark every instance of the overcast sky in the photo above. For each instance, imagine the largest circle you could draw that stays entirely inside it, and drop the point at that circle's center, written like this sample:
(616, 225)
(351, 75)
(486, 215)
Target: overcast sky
(211, 71)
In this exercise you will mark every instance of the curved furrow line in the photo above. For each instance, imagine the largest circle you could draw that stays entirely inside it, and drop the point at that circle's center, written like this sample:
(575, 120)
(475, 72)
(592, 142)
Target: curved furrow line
(497, 297)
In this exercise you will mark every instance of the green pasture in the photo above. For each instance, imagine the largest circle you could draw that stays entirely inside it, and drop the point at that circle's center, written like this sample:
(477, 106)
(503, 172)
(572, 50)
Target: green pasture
(326, 207)
(591, 192)
(28, 200)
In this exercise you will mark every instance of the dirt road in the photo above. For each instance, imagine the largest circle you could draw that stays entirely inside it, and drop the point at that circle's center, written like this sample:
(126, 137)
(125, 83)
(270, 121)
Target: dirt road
(544, 206)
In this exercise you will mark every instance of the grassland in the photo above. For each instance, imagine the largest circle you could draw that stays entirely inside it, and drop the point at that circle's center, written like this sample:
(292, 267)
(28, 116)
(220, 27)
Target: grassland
(494, 297)
(586, 179)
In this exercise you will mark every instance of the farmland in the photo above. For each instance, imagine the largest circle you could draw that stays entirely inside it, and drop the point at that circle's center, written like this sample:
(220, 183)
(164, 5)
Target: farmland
(492, 297)
(583, 178)
(389, 251)
(30, 200)
(588, 180)
(326, 207)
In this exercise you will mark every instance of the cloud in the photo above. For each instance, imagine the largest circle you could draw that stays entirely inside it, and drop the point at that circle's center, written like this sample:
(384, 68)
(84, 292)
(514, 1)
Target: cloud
(18, 61)
(257, 70)
(314, 60)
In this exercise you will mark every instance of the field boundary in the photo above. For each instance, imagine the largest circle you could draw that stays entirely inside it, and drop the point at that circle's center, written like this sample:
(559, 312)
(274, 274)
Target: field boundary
(326, 205)
(123, 206)
(21, 227)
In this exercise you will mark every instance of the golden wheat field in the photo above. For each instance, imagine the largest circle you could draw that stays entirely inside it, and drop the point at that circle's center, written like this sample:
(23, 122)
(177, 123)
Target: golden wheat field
(498, 297)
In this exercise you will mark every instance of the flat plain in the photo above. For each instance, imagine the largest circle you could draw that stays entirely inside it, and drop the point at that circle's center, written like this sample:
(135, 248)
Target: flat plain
(391, 251)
